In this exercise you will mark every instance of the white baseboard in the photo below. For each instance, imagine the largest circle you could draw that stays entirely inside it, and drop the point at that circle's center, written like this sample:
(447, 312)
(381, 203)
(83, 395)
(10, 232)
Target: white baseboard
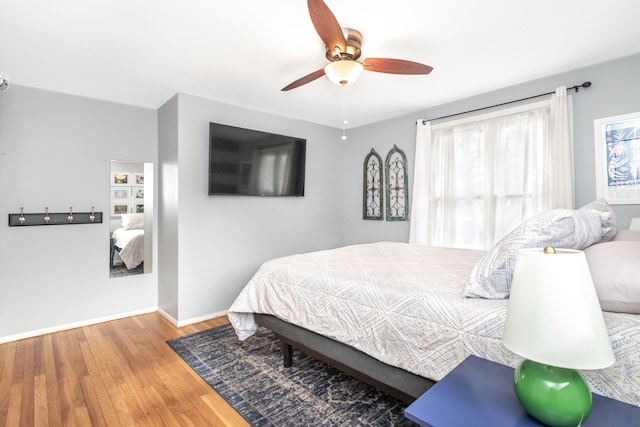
(74, 325)
(181, 323)
(167, 316)
(191, 321)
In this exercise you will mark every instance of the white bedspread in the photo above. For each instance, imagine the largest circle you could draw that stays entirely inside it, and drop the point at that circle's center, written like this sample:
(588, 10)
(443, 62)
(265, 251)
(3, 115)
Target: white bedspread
(131, 244)
(403, 305)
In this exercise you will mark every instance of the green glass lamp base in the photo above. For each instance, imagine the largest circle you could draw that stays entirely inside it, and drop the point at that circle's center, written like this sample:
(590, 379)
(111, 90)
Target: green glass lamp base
(557, 397)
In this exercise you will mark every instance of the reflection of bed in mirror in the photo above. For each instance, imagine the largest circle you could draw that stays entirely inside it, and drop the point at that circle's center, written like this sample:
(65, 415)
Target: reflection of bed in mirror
(128, 241)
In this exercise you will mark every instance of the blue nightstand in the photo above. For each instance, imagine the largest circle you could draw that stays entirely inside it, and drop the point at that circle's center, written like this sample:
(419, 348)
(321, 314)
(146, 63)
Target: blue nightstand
(479, 393)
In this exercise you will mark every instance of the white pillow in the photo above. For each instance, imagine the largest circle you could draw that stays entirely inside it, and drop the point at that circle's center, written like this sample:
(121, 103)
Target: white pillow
(615, 269)
(133, 221)
(601, 209)
(561, 228)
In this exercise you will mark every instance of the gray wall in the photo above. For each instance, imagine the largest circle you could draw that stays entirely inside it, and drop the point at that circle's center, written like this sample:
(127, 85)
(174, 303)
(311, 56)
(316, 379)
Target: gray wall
(222, 240)
(55, 152)
(615, 91)
(167, 214)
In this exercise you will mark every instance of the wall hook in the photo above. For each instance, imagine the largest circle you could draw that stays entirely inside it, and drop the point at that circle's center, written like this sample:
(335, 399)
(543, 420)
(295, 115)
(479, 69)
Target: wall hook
(54, 218)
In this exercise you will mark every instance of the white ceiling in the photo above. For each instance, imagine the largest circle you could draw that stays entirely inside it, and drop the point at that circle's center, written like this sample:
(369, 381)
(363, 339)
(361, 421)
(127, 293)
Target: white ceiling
(242, 52)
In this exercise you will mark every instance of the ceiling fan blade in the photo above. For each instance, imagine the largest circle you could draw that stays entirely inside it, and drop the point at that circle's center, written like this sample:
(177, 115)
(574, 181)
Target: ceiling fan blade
(395, 66)
(304, 80)
(326, 25)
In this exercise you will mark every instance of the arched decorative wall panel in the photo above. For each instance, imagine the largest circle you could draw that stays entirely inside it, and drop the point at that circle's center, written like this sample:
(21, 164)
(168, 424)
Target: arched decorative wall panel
(373, 183)
(397, 185)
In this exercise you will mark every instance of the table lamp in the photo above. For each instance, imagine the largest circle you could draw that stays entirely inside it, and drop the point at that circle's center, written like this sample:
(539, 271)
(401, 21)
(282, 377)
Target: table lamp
(555, 322)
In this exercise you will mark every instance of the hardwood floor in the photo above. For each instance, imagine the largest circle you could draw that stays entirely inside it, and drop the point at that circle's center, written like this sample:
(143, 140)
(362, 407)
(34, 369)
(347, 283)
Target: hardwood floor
(118, 373)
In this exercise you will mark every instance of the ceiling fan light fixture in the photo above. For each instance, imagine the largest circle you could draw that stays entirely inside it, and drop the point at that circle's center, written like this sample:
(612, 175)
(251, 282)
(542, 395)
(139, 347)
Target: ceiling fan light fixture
(343, 72)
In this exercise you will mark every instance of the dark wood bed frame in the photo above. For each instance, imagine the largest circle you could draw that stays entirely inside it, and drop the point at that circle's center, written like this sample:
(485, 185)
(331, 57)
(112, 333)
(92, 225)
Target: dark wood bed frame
(396, 382)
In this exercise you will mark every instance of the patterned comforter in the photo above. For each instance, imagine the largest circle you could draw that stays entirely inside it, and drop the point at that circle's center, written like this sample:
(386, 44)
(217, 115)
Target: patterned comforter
(403, 304)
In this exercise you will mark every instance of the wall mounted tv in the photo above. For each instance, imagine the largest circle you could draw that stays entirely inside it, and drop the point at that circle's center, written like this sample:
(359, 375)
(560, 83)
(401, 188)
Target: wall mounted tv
(254, 163)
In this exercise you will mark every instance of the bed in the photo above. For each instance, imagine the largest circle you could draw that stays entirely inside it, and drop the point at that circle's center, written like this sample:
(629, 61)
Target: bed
(128, 241)
(401, 316)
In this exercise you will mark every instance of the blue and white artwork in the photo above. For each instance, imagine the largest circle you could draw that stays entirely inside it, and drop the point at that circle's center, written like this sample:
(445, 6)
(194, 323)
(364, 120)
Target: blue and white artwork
(618, 158)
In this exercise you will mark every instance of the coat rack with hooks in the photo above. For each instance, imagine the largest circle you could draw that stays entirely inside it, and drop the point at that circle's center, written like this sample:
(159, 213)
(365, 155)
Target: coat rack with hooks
(54, 218)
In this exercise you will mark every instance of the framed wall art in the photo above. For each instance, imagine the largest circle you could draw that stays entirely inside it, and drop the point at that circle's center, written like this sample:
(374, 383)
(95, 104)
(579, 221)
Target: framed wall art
(617, 152)
(137, 193)
(372, 181)
(120, 208)
(137, 178)
(120, 178)
(397, 185)
(120, 194)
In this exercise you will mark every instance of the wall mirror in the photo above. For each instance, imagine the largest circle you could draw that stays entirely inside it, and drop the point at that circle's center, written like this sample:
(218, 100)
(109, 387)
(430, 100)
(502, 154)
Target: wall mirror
(130, 218)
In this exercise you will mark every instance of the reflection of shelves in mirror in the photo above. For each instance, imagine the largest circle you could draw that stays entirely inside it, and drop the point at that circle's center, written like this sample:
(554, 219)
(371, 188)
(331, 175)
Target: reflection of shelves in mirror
(226, 145)
(225, 168)
(227, 175)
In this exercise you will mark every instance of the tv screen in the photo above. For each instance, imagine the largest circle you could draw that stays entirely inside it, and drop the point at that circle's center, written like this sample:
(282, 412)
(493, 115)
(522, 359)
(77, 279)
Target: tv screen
(254, 163)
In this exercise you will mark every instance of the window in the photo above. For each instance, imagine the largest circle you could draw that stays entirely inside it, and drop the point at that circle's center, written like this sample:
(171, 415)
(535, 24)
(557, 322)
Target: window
(478, 178)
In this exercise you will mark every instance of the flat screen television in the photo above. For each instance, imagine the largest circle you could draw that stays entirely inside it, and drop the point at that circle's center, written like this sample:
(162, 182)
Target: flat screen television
(255, 163)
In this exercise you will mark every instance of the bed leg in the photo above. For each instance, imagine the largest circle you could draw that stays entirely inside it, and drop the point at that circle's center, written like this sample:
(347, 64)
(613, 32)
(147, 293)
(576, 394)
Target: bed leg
(287, 355)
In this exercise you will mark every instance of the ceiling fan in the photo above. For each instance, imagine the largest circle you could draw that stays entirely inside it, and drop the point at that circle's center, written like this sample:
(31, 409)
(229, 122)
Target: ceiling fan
(343, 50)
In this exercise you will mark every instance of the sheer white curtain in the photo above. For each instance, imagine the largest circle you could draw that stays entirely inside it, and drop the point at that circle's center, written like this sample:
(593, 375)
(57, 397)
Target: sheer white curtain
(560, 183)
(475, 179)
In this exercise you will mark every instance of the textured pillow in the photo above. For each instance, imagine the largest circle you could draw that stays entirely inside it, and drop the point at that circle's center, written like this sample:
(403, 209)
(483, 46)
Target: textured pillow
(627, 235)
(561, 228)
(615, 269)
(133, 221)
(602, 210)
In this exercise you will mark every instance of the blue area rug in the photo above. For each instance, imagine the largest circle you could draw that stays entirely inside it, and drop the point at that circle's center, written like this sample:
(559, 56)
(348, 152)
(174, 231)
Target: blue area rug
(250, 376)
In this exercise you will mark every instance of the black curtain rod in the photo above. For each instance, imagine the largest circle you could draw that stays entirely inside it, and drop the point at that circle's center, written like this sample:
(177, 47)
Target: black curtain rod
(576, 87)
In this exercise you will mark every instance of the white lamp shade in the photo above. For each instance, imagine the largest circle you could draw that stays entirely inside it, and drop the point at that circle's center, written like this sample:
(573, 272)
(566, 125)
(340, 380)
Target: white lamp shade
(344, 71)
(554, 314)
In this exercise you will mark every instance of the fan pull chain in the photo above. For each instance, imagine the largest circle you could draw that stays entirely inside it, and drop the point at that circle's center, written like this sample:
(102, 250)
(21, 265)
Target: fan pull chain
(345, 122)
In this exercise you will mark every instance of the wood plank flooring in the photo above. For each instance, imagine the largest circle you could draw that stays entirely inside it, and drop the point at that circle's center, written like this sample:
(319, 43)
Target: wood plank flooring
(118, 373)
